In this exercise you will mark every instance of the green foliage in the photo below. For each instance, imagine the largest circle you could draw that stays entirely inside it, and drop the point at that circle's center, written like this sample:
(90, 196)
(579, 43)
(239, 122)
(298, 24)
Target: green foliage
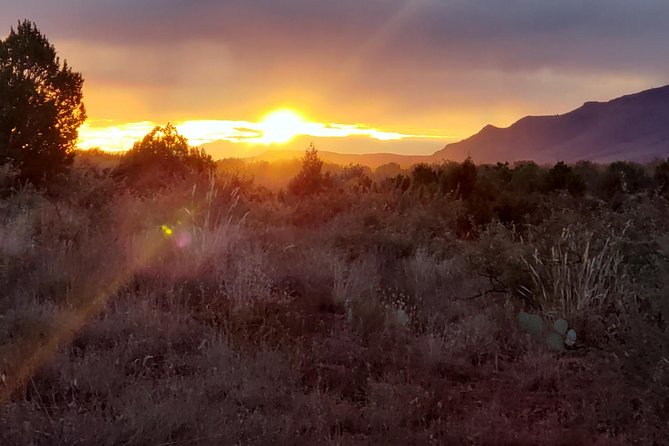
(555, 337)
(41, 105)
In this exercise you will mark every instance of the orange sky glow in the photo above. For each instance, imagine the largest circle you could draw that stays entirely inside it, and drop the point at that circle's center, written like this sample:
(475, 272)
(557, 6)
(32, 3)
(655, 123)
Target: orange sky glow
(276, 128)
(399, 76)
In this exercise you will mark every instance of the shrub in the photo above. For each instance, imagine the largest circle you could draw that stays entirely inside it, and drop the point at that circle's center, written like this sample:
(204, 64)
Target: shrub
(160, 157)
(622, 177)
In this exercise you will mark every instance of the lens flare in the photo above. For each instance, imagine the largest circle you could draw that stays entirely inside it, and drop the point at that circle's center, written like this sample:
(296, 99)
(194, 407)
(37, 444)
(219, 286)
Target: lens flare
(166, 230)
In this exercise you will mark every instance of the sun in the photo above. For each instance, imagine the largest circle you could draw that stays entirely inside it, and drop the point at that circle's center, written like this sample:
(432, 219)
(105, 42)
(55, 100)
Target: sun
(281, 126)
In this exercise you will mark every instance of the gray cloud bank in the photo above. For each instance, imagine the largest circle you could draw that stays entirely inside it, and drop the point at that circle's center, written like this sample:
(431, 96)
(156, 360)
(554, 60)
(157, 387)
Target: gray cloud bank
(406, 61)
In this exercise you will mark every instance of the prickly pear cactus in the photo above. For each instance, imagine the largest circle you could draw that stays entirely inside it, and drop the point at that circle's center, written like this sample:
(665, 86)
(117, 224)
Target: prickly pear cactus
(570, 338)
(556, 336)
(561, 326)
(555, 341)
(530, 322)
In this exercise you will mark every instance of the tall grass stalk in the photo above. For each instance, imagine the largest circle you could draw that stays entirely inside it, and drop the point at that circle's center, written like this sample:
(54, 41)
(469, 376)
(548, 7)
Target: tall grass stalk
(576, 275)
(213, 228)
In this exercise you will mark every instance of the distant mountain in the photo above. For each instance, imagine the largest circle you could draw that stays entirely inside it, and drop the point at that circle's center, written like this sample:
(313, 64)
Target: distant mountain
(372, 160)
(633, 127)
(342, 151)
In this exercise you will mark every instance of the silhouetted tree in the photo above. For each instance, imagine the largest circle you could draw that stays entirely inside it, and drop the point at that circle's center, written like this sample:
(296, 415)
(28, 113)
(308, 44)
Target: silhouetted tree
(502, 173)
(160, 157)
(310, 180)
(467, 178)
(623, 177)
(355, 177)
(449, 175)
(423, 175)
(41, 105)
(661, 178)
(513, 207)
(557, 177)
(562, 177)
(526, 177)
(589, 173)
(388, 170)
(402, 182)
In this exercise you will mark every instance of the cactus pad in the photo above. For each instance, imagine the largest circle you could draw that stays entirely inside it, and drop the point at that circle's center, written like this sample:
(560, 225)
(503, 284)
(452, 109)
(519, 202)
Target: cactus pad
(530, 322)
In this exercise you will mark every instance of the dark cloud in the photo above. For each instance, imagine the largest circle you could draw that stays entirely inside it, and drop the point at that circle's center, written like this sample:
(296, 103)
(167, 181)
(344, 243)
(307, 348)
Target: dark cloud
(382, 60)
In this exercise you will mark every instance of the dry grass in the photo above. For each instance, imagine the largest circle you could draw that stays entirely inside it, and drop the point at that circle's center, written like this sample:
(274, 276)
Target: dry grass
(238, 327)
(579, 274)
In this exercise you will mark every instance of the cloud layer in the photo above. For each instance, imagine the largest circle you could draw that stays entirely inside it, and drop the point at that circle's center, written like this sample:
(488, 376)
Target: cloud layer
(411, 66)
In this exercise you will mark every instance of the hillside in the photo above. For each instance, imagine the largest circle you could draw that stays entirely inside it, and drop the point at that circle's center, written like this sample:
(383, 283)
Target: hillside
(633, 127)
(342, 151)
(372, 160)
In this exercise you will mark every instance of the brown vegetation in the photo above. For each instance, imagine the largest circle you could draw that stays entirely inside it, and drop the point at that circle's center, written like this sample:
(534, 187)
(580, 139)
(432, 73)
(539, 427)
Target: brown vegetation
(204, 309)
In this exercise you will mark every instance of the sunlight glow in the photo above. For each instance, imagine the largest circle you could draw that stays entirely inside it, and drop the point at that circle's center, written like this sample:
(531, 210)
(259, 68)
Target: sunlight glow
(106, 135)
(281, 126)
(277, 127)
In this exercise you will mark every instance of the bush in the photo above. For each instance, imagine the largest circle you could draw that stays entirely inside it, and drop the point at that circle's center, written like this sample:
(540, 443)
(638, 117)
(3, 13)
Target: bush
(623, 177)
(160, 157)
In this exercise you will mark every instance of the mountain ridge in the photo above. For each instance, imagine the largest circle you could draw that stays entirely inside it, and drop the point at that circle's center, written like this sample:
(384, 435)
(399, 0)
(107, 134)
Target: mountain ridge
(372, 160)
(633, 127)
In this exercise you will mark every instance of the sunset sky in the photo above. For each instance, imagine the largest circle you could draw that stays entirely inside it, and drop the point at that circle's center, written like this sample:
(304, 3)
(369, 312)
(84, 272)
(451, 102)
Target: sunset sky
(412, 74)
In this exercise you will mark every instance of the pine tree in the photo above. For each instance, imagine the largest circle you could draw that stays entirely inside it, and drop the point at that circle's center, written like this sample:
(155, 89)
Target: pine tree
(41, 105)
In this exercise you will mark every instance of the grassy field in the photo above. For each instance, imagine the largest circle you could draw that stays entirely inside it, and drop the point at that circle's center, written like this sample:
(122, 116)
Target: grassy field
(362, 310)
